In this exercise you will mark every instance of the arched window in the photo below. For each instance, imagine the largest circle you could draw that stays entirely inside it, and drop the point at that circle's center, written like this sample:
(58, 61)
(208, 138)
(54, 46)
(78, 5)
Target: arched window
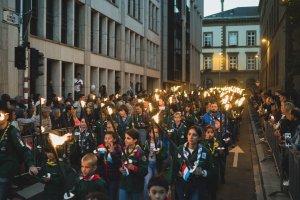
(232, 82)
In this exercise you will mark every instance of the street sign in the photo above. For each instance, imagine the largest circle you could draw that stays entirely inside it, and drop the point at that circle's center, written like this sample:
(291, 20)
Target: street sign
(10, 17)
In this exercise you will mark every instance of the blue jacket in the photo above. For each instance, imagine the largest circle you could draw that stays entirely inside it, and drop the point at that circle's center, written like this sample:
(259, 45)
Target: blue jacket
(208, 118)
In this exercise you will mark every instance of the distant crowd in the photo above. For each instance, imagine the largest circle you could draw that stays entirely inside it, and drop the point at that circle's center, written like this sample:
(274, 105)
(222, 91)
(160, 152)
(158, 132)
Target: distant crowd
(167, 145)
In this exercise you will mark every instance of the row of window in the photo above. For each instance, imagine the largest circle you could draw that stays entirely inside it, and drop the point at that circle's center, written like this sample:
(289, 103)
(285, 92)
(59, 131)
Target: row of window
(251, 62)
(232, 38)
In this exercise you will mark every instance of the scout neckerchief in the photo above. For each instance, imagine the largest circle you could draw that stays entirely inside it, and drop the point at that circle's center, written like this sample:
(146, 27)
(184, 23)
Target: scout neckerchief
(133, 151)
(185, 171)
(214, 147)
(92, 177)
(5, 132)
(53, 163)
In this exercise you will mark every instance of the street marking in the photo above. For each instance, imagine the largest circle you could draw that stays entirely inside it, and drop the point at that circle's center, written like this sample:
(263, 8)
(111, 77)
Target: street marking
(236, 150)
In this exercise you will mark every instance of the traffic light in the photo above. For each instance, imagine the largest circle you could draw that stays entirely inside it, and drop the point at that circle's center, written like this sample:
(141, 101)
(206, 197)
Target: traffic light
(20, 57)
(36, 62)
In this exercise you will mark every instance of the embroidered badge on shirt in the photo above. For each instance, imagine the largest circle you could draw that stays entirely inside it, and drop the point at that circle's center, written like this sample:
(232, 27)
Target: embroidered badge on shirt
(144, 158)
(203, 155)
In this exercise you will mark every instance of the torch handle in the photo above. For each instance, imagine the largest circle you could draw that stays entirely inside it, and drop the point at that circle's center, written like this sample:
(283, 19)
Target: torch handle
(120, 141)
(173, 144)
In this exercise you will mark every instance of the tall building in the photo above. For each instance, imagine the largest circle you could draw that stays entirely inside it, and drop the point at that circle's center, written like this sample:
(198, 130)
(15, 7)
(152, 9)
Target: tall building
(231, 53)
(181, 42)
(280, 49)
(114, 43)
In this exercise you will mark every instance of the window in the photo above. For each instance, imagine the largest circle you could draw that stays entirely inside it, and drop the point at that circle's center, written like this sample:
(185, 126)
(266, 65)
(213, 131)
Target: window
(233, 62)
(208, 39)
(251, 64)
(233, 38)
(251, 38)
(64, 21)
(34, 18)
(49, 20)
(134, 9)
(207, 62)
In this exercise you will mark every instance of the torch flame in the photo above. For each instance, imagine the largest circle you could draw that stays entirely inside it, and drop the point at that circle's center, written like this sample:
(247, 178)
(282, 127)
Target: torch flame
(2, 116)
(155, 117)
(175, 88)
(170, 99)
(59, 98)
(150, 107)
(58, 140)
(227, 106)
(42, 129)
(83, 103)
(241, 101)
(102, 105)
(110, 111)
(43, 101)
(156, 97)
(105, 99)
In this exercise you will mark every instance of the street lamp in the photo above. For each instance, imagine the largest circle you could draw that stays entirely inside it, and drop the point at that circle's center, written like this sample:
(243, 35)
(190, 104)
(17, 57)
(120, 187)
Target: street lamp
(257, 65)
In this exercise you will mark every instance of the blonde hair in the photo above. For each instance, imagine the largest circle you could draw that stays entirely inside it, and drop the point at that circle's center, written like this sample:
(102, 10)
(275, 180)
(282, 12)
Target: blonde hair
(89, 157)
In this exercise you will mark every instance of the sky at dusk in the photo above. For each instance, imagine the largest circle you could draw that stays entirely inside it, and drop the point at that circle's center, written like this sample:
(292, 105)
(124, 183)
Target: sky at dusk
(214, 6)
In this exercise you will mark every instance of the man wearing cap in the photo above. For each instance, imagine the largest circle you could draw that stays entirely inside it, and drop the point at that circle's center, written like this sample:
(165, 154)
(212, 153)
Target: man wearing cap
(12, 151)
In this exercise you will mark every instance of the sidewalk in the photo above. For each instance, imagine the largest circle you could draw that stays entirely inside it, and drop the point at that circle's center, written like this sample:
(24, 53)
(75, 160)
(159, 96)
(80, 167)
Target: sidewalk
(269, 180)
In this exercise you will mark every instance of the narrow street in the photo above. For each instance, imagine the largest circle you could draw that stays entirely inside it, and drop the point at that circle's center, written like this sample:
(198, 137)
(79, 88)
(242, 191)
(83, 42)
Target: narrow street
(240, 182)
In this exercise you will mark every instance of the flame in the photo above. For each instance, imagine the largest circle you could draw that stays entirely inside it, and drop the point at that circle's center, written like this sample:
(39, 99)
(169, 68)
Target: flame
(241, 101)
(117, 96)
(105, 99)
(156, 97)
(59, 98)
(156, 117)
(58, 140)
(94, 97)
(102, 105)
(2, 116)
(42, 129)
(225, 100)
(185, 94)
(198, 93)
(170, 99)
(175, 88)
(192, 92)
(140, 100)
(150, 107)
(110, 110)
(227, 106)
(82, 103)
(43, 100)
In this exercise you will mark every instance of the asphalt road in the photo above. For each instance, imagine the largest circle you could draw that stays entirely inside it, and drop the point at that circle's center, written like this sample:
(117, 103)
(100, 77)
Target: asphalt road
(240, 184)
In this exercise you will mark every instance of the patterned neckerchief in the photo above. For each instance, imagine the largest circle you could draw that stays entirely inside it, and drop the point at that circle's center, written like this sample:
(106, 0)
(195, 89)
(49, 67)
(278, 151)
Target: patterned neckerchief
(133, 151)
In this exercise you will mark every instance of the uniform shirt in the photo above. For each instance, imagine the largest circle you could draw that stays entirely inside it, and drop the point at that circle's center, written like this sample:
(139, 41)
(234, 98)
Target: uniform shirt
(12, 151)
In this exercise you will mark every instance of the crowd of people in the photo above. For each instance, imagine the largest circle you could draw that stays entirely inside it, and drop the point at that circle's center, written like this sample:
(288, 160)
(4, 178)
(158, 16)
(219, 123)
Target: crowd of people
(166, 145)
(278, 110)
